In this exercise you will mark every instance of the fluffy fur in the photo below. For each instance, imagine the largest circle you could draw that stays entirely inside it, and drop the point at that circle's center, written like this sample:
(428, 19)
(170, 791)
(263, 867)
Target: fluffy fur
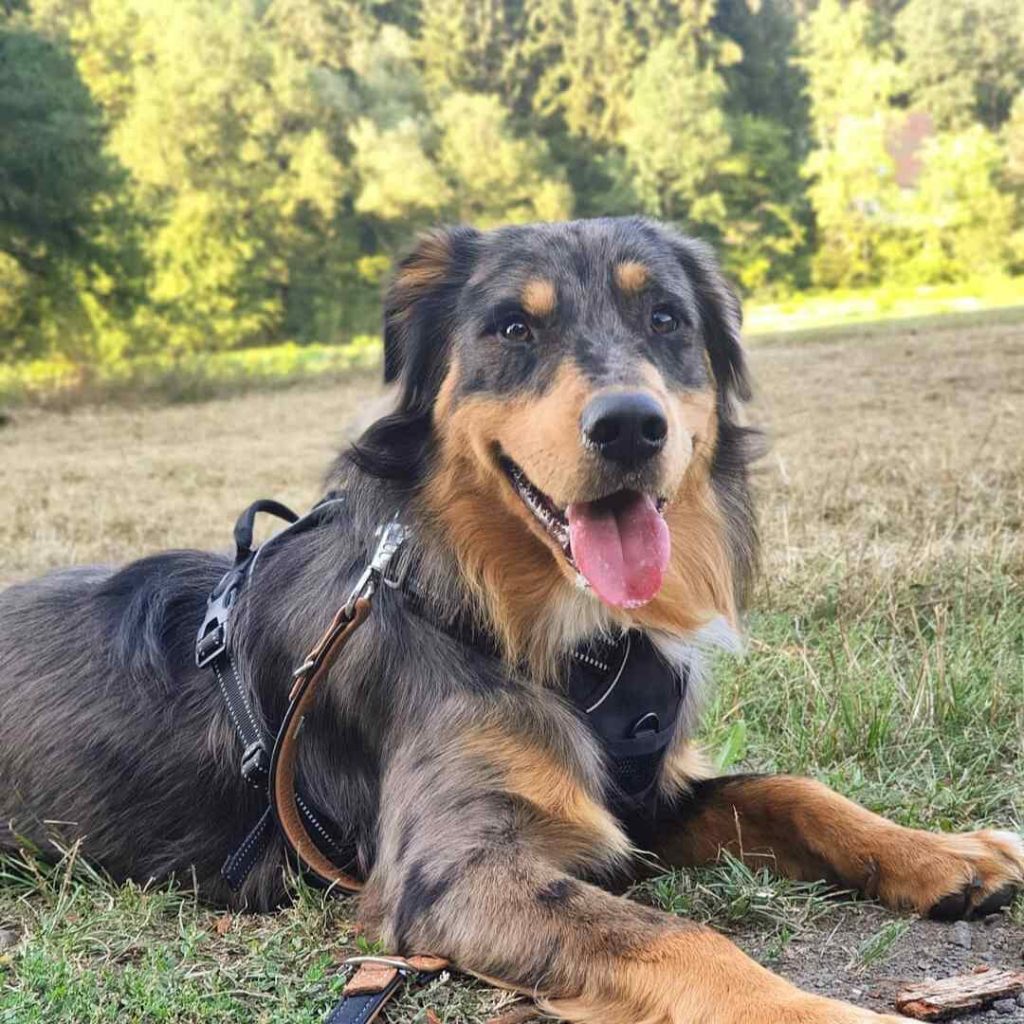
(475, 797)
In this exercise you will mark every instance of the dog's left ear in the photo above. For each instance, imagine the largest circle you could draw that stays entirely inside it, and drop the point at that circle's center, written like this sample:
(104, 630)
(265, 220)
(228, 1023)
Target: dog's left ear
(721, 316)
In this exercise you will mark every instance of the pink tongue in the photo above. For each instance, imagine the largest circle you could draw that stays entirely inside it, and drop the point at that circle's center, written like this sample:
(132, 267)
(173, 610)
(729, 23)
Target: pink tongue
(621, 545)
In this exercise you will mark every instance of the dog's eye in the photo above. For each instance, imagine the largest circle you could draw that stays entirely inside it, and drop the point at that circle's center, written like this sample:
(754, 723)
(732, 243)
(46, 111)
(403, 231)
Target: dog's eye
(515, 328)
(663, 321)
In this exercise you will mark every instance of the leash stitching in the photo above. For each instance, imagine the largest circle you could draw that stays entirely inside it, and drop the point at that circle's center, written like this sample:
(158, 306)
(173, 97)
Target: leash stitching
(245, 704)
(312, 819)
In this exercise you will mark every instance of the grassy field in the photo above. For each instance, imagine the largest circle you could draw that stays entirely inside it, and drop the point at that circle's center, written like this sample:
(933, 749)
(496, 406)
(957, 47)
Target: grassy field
(886, 657)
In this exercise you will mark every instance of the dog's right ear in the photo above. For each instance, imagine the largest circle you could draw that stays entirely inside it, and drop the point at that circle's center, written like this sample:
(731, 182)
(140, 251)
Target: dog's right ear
(419, 305)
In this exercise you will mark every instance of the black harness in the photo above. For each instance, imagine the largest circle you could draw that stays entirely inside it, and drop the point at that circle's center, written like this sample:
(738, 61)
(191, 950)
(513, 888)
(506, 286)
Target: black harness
(620, 686)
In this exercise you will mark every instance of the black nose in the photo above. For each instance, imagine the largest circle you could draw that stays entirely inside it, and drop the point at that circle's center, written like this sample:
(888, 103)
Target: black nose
(625, 426)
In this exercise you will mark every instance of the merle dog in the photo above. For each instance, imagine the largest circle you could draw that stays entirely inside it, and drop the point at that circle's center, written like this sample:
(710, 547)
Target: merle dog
(512, 728)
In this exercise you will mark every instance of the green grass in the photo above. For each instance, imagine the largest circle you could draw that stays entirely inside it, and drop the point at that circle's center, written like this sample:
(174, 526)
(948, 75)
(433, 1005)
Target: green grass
(733, 895)
(912, 704)
(99, 952)
(877, 948)
(185, 377)
(882, 304)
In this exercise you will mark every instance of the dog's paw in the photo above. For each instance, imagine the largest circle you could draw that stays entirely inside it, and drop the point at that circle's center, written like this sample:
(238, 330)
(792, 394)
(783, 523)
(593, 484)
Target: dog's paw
(949, 876)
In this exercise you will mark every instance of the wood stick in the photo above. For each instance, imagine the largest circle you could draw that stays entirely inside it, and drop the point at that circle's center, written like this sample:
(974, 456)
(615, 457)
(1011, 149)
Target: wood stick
(951, 997)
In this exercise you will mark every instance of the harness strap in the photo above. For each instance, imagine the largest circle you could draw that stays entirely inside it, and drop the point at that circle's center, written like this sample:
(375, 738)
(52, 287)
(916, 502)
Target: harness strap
(376, 981)
(213, 650)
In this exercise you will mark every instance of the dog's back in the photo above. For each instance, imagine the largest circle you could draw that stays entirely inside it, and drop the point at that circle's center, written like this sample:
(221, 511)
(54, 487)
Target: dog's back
(98, 696)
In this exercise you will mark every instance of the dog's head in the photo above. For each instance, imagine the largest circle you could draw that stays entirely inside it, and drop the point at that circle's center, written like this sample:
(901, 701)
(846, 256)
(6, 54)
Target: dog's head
(566, 400)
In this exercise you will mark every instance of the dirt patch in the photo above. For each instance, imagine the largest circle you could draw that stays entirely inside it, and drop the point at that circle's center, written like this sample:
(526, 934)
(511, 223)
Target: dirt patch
(867, 955)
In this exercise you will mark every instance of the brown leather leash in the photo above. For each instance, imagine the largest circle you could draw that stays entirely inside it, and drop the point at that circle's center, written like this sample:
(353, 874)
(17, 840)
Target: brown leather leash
(377, 978)
(284, 760)
(307, 680)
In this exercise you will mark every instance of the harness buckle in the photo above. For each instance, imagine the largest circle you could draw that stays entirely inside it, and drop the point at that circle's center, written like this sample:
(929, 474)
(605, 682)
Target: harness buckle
(256, 765)
(212, 639)
(396, 963)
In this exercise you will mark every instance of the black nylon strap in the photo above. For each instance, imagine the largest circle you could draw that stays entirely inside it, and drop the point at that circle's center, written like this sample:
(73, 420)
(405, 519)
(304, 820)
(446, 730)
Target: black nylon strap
(213, 651)
(246, 521)
(255, 751)
(363, 1009)
(237, 867)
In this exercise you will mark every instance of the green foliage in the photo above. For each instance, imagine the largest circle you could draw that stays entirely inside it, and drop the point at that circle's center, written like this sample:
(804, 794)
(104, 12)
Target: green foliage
(675, 171)
(218, 174)
(854, 194)
(495, 176)
(961, 222)
(176, 376)
(964, 61)
(64, 233)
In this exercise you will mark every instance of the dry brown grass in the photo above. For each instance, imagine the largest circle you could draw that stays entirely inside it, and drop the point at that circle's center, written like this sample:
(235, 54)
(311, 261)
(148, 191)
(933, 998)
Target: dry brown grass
(892, 453)
(109, 484)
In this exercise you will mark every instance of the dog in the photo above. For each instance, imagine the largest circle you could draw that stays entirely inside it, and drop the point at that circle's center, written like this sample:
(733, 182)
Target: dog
(509, 738)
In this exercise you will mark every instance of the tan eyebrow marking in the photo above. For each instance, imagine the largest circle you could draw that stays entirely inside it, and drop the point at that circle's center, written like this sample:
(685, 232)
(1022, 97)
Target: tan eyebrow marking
(538, 297)
(631, 276)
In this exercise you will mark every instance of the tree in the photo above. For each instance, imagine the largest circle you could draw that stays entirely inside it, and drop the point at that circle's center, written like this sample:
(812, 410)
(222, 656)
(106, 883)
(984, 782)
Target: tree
(764, 228)
(1013, 134)
(66, 256)
(963, 62)
(675, 136)
(962, 222)
(853, 191)
(856, 200)
(473, 46)
(494, 175)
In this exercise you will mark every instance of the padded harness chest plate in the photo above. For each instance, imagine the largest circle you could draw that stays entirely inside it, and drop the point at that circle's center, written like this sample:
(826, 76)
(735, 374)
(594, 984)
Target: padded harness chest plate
(631, 698)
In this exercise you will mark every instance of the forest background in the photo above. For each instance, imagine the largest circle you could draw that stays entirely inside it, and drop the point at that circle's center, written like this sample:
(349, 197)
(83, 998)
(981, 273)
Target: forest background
(190, 177)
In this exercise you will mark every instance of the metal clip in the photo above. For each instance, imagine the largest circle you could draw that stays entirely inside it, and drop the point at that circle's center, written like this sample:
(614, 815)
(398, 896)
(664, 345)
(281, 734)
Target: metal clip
(402, 966)
(392, 537)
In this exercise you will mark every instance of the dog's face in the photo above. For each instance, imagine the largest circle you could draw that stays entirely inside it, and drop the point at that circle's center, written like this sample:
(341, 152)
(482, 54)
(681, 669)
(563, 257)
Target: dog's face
(574, 373)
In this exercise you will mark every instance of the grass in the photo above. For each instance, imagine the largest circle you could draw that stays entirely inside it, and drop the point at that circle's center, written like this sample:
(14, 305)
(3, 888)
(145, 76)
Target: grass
(885, 657)
(877, 948)
(813, 311)
(182, 377)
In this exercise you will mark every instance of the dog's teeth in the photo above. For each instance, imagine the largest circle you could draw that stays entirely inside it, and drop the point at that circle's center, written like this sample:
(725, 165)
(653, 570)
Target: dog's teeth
(551, 518)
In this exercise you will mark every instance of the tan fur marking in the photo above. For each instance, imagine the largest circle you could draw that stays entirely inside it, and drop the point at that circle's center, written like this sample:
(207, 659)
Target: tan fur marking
(538, 297)
(428, 264)
(631, 277)
(535, 775)
(504, 553)
(696, 975)
(520, 580)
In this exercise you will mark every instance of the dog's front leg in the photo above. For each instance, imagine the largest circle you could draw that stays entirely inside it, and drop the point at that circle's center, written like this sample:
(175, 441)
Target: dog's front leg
(483, 836)
(806, 831)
